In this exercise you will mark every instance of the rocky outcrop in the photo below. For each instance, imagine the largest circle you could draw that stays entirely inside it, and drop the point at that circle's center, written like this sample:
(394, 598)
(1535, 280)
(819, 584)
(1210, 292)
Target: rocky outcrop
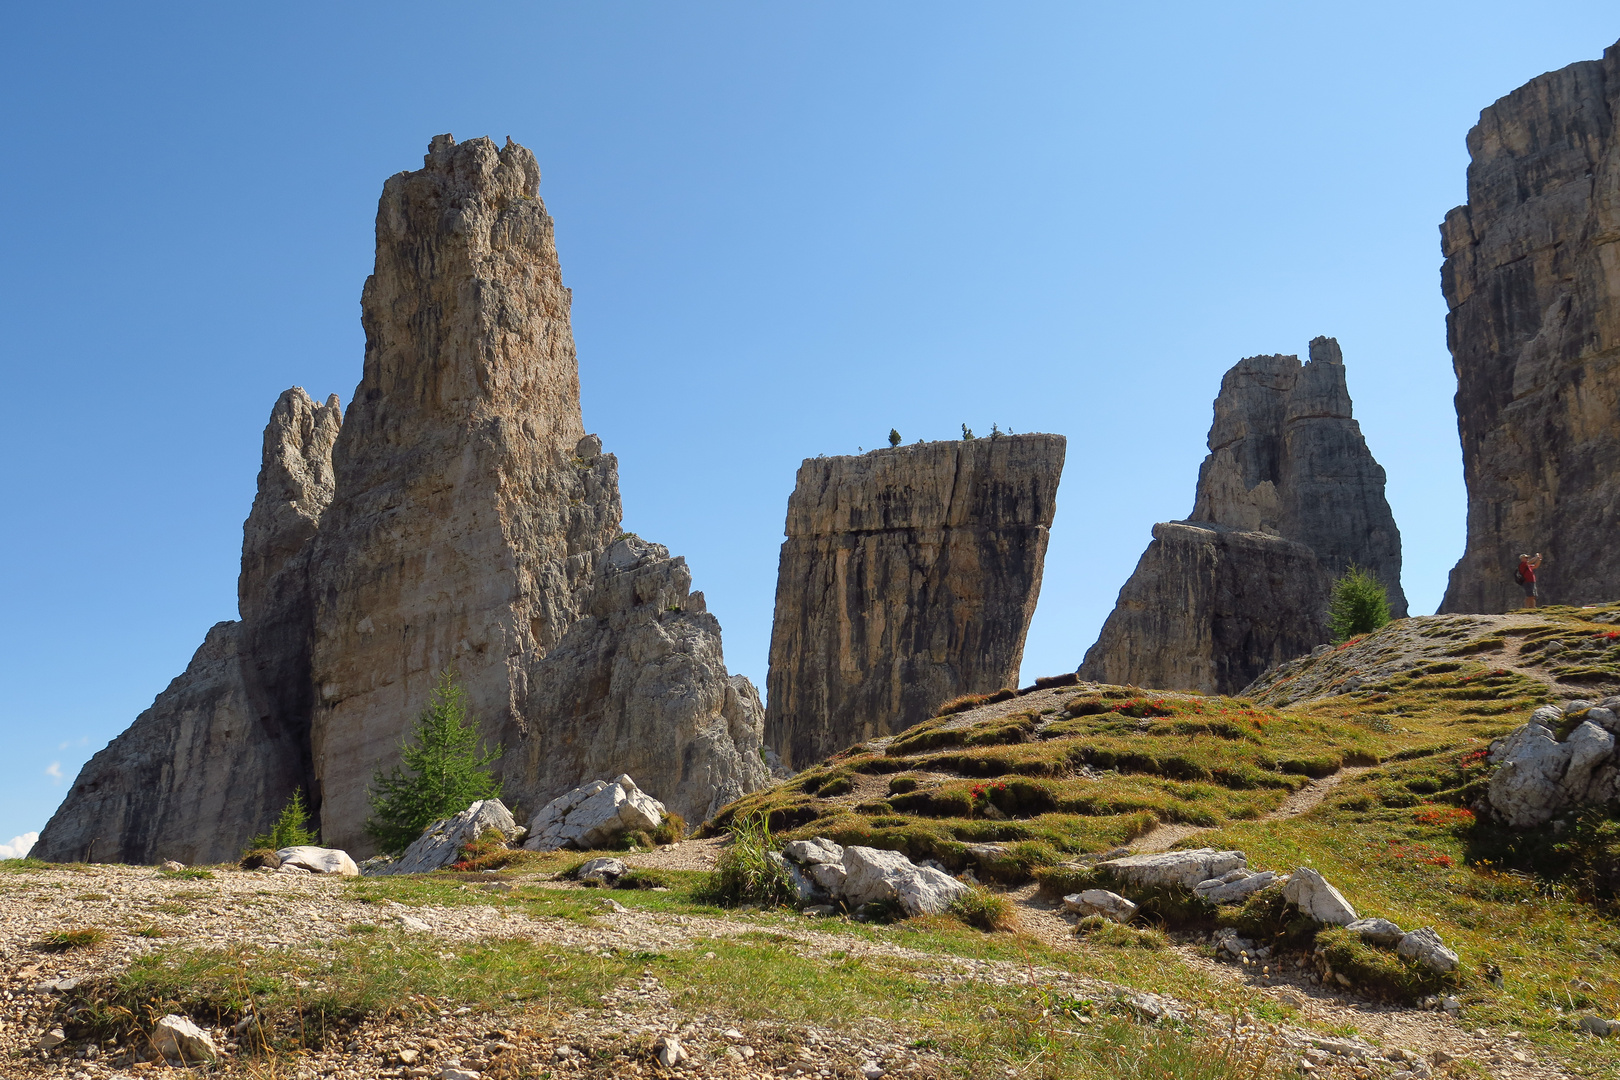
(909, 577)
(1288, 499)
(1540, 775)
(1210, 608)
(459, 517)
(224, 747)
(1532, 283)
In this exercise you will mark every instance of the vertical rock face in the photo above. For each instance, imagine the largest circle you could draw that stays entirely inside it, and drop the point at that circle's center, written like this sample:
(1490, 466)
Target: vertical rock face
(1210, 608)
(1294, 497)
(909, 577)
(223, 748)
(1532, 281)
(457, 516)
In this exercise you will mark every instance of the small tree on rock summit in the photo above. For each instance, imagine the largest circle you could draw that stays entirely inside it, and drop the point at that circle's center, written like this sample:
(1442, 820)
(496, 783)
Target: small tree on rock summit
(447, 771)
(894, 436)
(1360, 605)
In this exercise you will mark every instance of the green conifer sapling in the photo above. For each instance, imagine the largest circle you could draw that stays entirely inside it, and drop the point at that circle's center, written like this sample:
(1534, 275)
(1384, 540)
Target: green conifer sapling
(447, 771)
(1360, 605)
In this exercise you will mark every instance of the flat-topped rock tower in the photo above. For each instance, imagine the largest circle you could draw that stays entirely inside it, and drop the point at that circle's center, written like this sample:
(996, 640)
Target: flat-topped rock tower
(458, 516)
(908, 578)
(1288, 498)
(1532, 283)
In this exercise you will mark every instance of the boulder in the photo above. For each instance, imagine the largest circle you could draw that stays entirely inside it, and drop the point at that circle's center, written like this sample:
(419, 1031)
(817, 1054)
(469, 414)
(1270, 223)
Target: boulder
(1100, 902)
(829, 876)
(1538, 776)
(1376, 931)
(179, 1040)
(1310, 892)
(170, 866)
(1186, 868)
(1235, 887)
(600, 871)
(810, 852)
(440, 843)
(594, 815)
(1229, 943)
(875, 876)
(1596, 1025)
(318, 860)
(1424, 946)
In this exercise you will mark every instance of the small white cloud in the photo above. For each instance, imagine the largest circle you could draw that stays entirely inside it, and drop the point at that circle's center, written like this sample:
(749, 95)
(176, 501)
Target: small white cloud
(54, 770)
(19, 846)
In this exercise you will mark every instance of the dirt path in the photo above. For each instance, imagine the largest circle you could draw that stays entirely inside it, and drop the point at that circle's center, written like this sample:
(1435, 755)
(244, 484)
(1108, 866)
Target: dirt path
(1306, 798)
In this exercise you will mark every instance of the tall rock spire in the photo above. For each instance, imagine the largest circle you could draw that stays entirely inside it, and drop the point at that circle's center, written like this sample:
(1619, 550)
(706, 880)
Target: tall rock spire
(224, 747)
(909, 577)
(460, 517)
(1288, 498)
(1532, 283)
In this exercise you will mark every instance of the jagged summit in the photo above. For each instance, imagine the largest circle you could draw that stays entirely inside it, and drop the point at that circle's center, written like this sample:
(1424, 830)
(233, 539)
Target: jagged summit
(1288, 498)
(457, 515)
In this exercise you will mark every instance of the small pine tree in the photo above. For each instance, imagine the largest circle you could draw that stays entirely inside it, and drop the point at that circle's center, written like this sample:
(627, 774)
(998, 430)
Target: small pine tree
(448, 771)
(291, 828)
(894, 436)
(967, 433)
(1360, 605)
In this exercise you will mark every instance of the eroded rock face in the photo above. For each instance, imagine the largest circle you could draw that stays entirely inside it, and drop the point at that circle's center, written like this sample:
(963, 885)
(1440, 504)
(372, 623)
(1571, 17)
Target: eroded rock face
(1210, 608)
(909, 577)
(1532, 281)
(458, 516)
(223, 748)
(1288, 499)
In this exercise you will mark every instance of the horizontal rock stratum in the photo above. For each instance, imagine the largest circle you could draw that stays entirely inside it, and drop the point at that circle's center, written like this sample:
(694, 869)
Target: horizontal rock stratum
(458, 515)
(909, 577)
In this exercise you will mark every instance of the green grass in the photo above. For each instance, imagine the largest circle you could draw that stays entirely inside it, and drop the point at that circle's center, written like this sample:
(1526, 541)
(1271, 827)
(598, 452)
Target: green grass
(67, 940)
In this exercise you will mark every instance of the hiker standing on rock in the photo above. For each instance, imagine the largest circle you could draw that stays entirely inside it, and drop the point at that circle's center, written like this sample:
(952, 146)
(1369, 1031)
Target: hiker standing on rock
(1525, 575)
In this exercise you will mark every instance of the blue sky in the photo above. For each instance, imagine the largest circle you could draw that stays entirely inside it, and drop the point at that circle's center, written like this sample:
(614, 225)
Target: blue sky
(788, 228)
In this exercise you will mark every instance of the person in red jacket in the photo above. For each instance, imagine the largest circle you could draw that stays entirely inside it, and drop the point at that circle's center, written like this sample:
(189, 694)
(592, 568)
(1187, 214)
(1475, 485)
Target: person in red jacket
(1525, 575)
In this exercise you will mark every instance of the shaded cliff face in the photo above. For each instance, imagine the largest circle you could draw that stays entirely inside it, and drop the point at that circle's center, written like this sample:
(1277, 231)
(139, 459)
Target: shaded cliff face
(1296, 498)
(909, 577)
(1532, 281)
(459, 516)
(1210, 608)
(222, 749)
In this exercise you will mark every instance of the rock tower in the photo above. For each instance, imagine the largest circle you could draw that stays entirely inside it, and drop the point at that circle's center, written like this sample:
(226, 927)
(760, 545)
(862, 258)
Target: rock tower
(909, 577)
(1532, 283)
(457, 516)
(1288, 498)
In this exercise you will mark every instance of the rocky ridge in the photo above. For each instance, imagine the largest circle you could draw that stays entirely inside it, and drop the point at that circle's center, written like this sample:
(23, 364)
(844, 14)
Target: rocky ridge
(909, 577)
(1532, 284)
(1288, 499)
(457, 516)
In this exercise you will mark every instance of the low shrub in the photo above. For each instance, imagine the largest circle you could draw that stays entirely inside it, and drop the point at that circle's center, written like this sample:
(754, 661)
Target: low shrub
(66, 940)
(671, 829)
(488, 852)
(643, 879)
(1099, 930)
(190, 873)
(986, 910)
(1377, 973)
(744, 873)
(257, 857)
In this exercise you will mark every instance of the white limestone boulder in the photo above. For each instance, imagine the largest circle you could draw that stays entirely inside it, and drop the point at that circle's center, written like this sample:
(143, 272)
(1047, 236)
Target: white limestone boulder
(318, 860)
(594, 815)
(1235, 886)
(181, 1041)
(441, 843)
(1186, 868)
(874, 876)
(1425, 947)
(1376, 931)
(1110, 905)
(1310, 892)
